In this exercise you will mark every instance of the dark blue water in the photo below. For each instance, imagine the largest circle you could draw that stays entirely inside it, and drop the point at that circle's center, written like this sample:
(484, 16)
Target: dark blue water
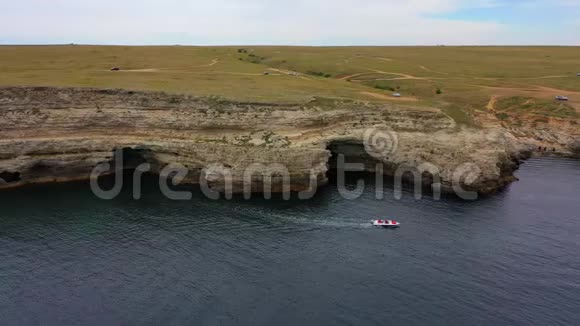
(67, 258)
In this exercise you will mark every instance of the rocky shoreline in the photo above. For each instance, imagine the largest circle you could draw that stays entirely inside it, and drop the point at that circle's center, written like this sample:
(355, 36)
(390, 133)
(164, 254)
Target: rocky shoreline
(61, 134)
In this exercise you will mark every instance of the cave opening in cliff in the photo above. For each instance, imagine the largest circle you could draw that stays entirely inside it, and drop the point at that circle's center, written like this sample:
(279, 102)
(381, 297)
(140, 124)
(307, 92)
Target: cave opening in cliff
(353, 153)
(124, 163)
(358, 164)
(10, 177)
(129, 159)
(133, 157)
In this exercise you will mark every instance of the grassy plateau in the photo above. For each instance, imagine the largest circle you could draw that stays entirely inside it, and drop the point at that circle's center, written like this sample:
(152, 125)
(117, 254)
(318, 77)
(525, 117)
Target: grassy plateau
(457, 80)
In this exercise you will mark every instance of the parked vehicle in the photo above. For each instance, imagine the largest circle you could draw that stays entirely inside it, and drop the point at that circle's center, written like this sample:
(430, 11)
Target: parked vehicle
(561, 98)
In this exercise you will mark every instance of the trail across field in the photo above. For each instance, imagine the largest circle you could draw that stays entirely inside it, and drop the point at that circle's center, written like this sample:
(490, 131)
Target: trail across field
(211, 64)
(390, 98)
(529, 90)
(431, 76)
(532, 91)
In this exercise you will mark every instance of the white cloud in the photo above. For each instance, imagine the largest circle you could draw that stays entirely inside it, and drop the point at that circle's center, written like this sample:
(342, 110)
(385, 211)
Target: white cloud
(240, 22)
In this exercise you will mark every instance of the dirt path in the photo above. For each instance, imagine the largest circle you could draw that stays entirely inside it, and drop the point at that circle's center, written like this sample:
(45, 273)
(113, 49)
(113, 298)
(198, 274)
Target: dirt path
(532, 88)
(535, 91)
(406, 76)
(142, 70)
(390, 98)
(414, 78)
(373, 72)
(282, 71)
(290, 73)
(561, 91)
(401, 76)
(348, 77)
(211, 64)
(213, 73)
(434, 71)
(489, 78)
(544, 77)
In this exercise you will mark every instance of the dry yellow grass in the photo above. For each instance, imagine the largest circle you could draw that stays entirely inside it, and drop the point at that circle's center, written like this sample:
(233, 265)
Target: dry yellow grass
(467, 77)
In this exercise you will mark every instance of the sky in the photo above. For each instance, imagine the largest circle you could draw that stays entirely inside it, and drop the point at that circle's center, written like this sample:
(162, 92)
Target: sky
(291, 22)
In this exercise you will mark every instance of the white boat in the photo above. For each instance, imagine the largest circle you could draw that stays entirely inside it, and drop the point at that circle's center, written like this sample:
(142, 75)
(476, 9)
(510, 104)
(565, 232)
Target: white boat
(385, 223)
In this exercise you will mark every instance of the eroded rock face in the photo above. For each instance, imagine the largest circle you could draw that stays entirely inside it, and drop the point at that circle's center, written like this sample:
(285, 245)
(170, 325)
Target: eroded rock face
(575, 147)
(58, 135)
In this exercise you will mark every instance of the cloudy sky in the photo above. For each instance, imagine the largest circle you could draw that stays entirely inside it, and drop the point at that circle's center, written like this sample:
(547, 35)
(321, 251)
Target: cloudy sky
(291, 22)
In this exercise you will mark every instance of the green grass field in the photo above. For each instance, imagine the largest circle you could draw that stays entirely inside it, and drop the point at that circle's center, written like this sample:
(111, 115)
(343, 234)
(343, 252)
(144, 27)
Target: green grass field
(456, 79)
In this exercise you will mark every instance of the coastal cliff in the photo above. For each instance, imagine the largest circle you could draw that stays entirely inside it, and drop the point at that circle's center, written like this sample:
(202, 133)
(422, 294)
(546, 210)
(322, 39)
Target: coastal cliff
(61, 134)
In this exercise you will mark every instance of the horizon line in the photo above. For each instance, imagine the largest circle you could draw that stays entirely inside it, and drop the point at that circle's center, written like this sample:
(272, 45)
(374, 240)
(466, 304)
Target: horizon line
(288, 45)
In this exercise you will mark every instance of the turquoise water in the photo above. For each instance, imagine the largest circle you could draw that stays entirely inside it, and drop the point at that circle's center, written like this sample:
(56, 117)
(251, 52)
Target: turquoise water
(67, 258)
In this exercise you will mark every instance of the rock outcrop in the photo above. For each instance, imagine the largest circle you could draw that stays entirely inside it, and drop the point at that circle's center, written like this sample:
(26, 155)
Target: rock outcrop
(575, 147)
(59, 135)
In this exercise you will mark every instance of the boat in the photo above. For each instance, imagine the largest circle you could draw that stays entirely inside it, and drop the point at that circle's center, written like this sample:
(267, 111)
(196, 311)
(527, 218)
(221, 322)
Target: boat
(385, 223)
